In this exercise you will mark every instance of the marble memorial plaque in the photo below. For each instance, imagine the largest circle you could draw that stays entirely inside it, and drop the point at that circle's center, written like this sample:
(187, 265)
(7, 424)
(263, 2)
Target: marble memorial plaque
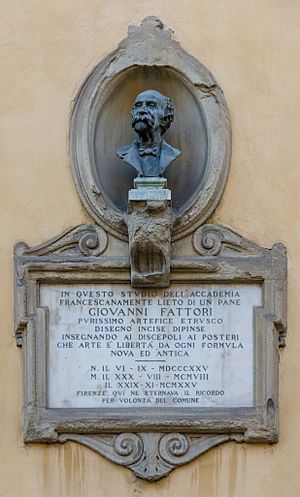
(150, 378)
(186, 346)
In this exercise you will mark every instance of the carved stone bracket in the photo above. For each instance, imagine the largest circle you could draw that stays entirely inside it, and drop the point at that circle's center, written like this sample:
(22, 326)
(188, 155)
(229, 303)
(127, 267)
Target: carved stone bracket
(150, 456)
(149, 222)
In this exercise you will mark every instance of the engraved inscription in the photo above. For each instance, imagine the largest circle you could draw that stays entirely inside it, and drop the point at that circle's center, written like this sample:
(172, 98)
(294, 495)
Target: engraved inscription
(186, 346)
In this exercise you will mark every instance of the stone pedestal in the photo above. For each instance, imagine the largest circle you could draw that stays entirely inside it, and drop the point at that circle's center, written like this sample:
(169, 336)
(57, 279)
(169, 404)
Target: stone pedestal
(149, 221)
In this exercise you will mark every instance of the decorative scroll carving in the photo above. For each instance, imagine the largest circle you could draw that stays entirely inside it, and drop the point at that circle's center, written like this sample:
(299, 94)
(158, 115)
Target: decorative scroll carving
(177, 449)
(150, 456)
(172, 446)
(86, 239)
(215, 239)
(128, 445)
(124, 449)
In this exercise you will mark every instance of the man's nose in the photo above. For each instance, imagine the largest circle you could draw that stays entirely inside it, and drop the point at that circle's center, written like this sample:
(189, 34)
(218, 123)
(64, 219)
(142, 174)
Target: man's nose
(143, 107)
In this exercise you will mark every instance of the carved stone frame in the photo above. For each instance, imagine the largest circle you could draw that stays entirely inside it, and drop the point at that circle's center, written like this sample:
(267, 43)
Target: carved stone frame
(151, 443)
(150, 45)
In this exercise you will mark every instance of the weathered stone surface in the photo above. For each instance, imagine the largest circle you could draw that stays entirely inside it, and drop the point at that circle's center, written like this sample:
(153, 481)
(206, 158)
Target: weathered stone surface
(149, 231)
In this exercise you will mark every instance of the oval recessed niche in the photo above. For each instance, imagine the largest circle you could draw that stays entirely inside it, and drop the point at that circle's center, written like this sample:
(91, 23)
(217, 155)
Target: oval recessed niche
(187, 133)
(101, 122)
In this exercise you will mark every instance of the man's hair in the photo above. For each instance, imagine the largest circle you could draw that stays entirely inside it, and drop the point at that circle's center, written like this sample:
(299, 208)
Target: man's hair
(167, 107)
(168, 117)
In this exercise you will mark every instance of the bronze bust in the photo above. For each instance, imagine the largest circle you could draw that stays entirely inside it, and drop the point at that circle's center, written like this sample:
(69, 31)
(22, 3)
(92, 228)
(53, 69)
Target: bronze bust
(152, 114)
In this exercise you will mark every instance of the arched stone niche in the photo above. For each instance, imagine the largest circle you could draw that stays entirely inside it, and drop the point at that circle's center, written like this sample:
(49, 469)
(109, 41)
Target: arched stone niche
(150, 59)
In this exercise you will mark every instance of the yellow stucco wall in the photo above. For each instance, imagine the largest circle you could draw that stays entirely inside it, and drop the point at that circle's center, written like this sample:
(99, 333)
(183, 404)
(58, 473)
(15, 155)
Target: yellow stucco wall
(47, 48)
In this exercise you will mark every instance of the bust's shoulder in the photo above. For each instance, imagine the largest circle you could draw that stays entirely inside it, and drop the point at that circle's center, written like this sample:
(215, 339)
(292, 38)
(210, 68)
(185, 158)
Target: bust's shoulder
(123, 151)
(169, 150)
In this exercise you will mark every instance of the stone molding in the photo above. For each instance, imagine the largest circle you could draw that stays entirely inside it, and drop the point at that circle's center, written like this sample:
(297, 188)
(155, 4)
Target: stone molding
(150, 456)
(150, 45)
(149, 442)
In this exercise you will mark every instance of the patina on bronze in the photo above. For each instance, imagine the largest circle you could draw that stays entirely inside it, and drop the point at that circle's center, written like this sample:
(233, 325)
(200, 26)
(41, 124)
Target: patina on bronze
(152, 114)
